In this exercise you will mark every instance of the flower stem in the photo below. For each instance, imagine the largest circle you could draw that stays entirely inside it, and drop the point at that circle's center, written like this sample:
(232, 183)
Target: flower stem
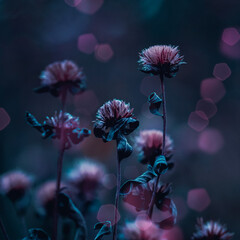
(3, 229)
(117, 199)
(59, 167)
(164, 116)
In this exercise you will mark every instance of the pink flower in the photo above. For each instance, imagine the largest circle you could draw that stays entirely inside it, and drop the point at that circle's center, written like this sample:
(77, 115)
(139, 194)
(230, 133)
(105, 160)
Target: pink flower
(149, 144)
(45, 198)
(58, 124)
(141, 230)
(113, 117)
(62, 75)
(161, 59)
(87, 177)
(15, 185)
(211, 231)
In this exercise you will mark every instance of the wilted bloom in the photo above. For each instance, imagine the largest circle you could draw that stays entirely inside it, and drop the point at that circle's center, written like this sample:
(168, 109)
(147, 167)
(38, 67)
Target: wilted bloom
(60, 123)
(45, 198)
(211, 231)
(61, 76)
(150, 142)
(15, 185)
(113, 118)
(86, 176)
(161, 59)
(141, 229)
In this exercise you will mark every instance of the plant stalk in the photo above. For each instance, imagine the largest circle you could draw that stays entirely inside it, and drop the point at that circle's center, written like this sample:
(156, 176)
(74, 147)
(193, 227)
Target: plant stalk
(117, 199)
(164, 116)
(3, 229)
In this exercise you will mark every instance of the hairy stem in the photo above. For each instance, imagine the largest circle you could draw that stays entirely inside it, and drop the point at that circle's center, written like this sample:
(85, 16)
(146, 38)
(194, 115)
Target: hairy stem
(59, 167)
(3, 229)
(117, 199)
(164, 116)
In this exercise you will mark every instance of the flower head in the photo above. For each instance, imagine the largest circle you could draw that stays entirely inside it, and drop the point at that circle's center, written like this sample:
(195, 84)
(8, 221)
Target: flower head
(62, 75)
(211, 231)
(141, 229)
(150, 143)
(59, 124)
(87, 177)
(161, 59)
(45, 198)
(112, 118)
(15, 185)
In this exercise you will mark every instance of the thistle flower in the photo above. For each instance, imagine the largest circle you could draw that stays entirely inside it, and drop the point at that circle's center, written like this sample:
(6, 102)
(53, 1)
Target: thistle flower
(112, 118)
(61, 76)
(87, 177)
(60, 123)
(211, 231)
(45, 198)
(149, 143)
(15, 185)
(140, 230)
(161, 59)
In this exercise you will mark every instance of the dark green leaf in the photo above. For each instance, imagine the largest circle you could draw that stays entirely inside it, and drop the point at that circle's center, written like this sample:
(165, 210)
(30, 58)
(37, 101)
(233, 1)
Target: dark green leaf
(160, 165)
(105, 229)
(69, 210)
(154, 104)
(124, 149)
(36, 234)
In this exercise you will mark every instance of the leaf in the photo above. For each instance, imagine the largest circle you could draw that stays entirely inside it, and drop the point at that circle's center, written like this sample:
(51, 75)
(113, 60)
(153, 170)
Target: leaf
(154, 104)
(36, 234)
(144, 178)
(69, 210)
(105, 229)
(32, 121)
(124, 149)
(78, 135)
(160, 165)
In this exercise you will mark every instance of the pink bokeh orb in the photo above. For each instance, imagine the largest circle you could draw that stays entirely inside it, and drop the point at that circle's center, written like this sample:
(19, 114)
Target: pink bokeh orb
(198, 199)
(87, 43)
(198, 120)
(72, 3)
(89, 6)
(173, 234)
(210, 141)
(207, 106)
(221, 71)
(103, 52)
(212, 88)
(230, 36)
(4, 119)
(106, 213)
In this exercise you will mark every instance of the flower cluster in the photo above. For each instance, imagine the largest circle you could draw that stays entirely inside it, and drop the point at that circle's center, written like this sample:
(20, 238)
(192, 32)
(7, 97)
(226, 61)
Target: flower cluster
(112, 118)
(161, 59)
(60, 124)
(211, 231)
(61, 76)
(141, 229)
(86, 176)
(149, 143)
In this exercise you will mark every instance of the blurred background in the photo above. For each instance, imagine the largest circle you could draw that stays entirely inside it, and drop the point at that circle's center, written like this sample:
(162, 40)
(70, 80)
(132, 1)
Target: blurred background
(105, 37)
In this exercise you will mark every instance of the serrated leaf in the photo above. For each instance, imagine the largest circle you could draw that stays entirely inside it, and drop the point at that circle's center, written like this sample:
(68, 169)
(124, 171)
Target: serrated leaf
(105, 229)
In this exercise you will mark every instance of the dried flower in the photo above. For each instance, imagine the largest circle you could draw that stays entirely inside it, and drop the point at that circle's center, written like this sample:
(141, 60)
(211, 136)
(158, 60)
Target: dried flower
(15, 185)
(211, 231)
(87, 177)
(112, 118)
(149, 144)
(60, 123)
(61, 76)
(45, 198)
(141, 229)
(161, 59)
